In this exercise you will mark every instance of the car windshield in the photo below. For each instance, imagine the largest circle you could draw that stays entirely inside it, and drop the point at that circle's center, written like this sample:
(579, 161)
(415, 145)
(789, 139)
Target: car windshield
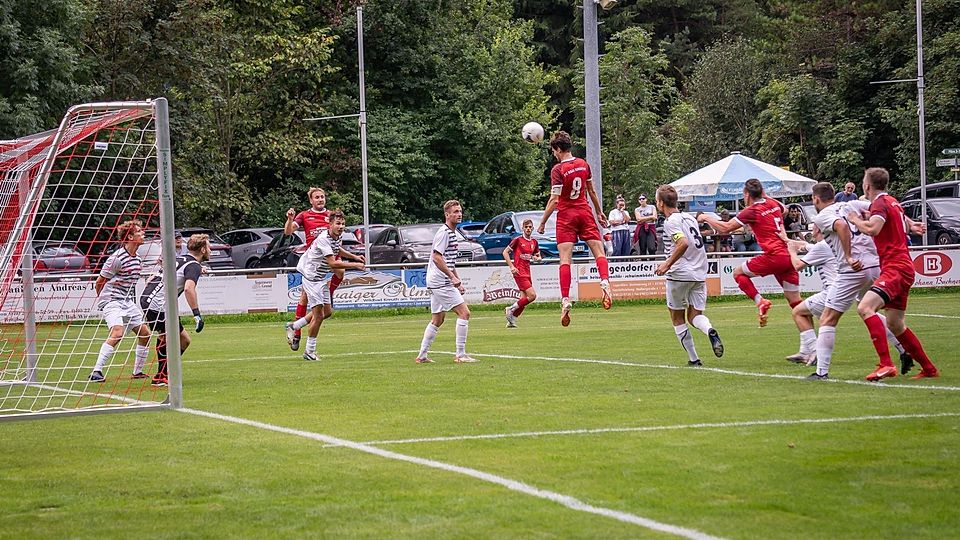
(274, 233)
(535, 215)
(945, 207)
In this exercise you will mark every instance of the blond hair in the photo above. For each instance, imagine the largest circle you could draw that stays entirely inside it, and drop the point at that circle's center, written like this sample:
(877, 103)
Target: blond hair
(313, 190)
(198, 242)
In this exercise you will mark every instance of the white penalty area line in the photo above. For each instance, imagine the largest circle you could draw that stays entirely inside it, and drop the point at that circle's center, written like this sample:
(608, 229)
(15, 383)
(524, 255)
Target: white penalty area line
(706, 425)
(513, 485)
(713, 369)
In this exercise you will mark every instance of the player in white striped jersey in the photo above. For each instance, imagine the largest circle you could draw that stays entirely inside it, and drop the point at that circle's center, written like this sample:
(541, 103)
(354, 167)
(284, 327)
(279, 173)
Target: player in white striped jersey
(686, 271)
(315, 266)
(116, 292)
(821, 257)
(446, 289)
(153, 300)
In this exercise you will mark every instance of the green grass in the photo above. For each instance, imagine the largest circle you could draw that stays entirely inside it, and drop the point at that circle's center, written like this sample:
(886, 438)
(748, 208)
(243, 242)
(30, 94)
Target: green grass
(176, 475)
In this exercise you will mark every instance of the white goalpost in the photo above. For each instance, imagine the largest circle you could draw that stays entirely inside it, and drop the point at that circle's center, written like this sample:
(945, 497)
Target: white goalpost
(63, 193)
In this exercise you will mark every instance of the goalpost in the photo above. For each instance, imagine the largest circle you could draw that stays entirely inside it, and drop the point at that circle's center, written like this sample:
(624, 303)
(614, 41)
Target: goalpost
(62, 195)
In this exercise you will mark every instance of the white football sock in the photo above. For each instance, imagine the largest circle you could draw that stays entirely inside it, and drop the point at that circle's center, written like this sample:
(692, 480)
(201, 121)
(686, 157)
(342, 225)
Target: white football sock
(106, 351)
(429, 334)
(808, 341)
(513, 307)
(300, 323)
(757, 299)
(311, 345)
(141, 358)
(686, 341)
(462, 327)
(825, 348)
(702, 323)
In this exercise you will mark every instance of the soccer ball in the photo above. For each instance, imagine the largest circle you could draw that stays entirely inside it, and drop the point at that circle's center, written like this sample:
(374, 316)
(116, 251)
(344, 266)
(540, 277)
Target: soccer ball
(532, 132)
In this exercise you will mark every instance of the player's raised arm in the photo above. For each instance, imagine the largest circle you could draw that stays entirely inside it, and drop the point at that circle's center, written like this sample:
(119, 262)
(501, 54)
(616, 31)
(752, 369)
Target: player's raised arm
(290, 225)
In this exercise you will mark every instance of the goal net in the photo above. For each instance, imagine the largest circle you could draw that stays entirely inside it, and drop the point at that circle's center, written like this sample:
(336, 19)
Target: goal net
(63, 193)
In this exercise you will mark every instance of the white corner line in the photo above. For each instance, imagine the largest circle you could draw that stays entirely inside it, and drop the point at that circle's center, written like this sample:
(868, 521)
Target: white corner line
(513, 485)
(705, 425)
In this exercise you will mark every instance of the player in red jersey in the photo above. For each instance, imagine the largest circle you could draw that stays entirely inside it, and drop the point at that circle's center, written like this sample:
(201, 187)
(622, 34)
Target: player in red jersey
(765, 217)
(570, 183)
(518, 255)
(888, 227)
(313, 221)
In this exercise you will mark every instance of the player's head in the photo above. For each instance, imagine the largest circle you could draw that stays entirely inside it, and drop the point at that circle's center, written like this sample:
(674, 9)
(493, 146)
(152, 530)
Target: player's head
(452, 211)
(199, 246)
(527, 227)
(318, 198)
(560, 142)
(338, 222)
(823, 195)
(666, 197)
(753, 190)
(131, 231)
(875, 181)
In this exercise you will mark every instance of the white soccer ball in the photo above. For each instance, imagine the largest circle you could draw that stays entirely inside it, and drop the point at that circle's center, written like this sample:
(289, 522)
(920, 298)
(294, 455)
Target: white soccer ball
(532, 132)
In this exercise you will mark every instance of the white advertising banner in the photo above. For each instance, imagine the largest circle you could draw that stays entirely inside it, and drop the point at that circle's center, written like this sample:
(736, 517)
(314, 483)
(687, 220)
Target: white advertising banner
(809, 279)
(936, 268)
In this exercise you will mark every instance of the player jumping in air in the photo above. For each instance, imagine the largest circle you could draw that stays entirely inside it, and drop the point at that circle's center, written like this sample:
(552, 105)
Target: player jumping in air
(319, 259)
(686, 271)
(765, 217)
(570, 183)
(518, 255)
(888, 227)
(153, 301)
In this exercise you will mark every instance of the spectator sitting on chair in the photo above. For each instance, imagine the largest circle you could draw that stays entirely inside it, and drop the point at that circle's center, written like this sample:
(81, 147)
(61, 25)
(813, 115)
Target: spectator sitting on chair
(646, 231)
(620, 228)
(747, 241)
(793, 223)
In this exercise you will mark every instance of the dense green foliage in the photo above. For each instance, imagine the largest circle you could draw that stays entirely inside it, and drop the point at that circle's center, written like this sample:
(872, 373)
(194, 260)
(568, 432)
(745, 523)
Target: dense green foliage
(450, 82)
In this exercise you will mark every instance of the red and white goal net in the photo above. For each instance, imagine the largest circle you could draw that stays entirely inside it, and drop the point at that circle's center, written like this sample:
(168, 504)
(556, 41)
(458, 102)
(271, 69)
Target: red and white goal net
(62, 195)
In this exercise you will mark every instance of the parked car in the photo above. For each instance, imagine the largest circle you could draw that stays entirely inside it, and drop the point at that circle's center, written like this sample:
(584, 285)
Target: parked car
(471, 229)
(352, 239)
(943, 220)
(500, 230)
(221, 257)
(419, 238)
(282, 252)
(936, 190)
(59, 258)
(247, 245)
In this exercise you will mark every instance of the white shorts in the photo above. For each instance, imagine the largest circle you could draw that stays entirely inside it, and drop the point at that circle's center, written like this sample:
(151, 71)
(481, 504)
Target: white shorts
(444, 299)
(124, 313)
(681, 294)
(817, 302)
(847, 288)
(318, 293)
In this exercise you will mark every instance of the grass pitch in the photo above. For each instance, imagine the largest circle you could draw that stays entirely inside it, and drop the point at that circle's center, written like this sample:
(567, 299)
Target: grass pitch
(603, 412)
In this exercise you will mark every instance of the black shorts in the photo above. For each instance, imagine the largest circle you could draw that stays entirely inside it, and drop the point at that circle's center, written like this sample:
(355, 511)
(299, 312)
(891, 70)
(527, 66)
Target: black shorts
(157, 321)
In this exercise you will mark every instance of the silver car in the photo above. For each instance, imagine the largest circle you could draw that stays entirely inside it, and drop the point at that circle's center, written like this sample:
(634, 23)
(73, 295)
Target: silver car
(249, 244)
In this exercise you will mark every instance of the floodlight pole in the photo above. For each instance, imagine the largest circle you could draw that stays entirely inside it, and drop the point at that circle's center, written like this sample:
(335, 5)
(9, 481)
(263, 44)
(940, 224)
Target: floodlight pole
(591, 91)
(363, 137)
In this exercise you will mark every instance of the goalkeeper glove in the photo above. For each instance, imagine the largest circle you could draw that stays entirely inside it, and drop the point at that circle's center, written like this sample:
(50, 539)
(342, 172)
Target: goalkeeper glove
(198, 319)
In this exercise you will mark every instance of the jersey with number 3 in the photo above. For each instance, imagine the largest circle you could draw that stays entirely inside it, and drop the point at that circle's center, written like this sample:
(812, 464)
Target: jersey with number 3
(568, 179)
(692, 265)
(765, 217)
(891, 241)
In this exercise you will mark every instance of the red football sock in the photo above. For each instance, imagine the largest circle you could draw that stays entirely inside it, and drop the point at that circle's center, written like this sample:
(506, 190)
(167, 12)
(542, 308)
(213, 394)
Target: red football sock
(912, 345)
(746, 285)
(603, 268)
(878, 334)
(565, 280)
(300, 313)
(795, 304)
(334, 283)
(521, 303)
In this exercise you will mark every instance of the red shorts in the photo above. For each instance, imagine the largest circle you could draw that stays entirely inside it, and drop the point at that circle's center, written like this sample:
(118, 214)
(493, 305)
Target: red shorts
(778, 266)
(576, 224)
(894, 284)
(523, 282)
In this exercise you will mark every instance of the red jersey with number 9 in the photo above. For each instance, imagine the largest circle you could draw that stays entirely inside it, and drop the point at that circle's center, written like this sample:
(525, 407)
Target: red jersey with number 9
(765, 217)
(569, 178)
(891, 241)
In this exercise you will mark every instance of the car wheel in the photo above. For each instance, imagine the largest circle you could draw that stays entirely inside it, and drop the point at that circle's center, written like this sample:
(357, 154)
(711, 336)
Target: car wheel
(252, 262)
(943, 239)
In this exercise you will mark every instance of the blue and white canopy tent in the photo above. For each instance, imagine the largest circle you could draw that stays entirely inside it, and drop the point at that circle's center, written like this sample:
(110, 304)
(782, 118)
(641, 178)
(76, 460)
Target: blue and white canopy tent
(723, 180)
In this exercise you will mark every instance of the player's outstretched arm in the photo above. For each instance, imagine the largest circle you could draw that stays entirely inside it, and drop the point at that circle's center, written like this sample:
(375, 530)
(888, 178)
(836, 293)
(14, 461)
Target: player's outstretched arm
(720, 226)
(335, 264)
(869, 227)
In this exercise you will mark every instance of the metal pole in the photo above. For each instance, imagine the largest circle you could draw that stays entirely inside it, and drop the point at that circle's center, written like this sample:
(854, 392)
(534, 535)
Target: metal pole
(29, 310)
(169, 255)
(923, 139)
(591, 87)
(363, 138)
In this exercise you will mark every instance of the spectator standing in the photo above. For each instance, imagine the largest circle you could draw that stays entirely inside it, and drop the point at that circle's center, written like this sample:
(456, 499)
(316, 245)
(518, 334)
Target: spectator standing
(723, 242)
(849, 193)
(620, 228)
(646, 215)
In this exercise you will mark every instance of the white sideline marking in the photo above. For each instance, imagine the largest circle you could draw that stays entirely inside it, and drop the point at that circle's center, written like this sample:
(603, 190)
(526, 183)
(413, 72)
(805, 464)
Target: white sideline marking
(514, 485)
(750, 423)
(933, 316)
(706, 368)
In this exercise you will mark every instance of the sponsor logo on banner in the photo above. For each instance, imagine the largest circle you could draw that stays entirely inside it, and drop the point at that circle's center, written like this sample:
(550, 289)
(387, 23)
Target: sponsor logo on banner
(383, 288)
(500, 285)
(932, 263)
(936, 269)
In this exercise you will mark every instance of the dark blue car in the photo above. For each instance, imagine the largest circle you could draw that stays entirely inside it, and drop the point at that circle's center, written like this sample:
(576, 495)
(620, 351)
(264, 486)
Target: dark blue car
(505, 227)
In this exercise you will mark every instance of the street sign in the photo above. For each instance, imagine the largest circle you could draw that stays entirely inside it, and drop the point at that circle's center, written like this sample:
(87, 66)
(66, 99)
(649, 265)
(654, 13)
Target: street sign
(950, 162)
(951, 151)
